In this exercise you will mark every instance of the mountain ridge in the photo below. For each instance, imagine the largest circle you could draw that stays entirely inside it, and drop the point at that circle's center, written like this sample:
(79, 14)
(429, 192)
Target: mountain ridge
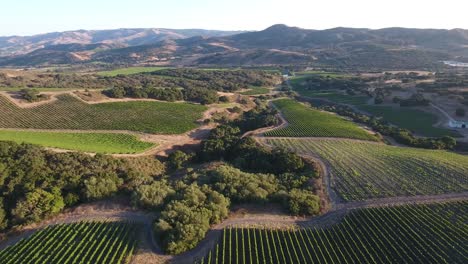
(276, 45)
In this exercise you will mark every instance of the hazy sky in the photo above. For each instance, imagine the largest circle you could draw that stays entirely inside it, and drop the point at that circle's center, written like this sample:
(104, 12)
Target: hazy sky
(26, 17)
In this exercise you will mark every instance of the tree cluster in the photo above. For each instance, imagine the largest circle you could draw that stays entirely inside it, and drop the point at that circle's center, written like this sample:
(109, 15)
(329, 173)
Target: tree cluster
(198, 95)
(416, 99)
(217, 80)
(36, 184)
(32, 95)
(224, 80)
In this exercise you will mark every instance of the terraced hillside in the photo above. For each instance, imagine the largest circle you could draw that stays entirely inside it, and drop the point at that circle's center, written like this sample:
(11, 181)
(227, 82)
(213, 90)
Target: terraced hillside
(108, 143)
(361, 170)
(304, 121)
(406, 234)
(70, 113)
(85, 242)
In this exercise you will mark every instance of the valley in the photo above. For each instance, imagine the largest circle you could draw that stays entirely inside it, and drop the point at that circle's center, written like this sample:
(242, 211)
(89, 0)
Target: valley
(285, 145)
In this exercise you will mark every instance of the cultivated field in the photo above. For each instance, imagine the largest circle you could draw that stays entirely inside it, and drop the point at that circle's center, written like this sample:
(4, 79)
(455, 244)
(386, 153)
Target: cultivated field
(361, 170)
(85, 242)
(308, 122)
(336, 97)
(108, 143)
(415, 120)
(130, 70)
(71, 113)
(406, 234)
(256, 91)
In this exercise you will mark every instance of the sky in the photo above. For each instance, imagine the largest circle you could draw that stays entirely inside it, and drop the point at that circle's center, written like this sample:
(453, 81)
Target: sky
(28, 17)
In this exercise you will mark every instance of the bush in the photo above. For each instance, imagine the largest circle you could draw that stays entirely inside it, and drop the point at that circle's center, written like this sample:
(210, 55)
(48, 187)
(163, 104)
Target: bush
(224, 99)
(178, 159)
(101, 186)
(153, 195)
(241, 186)
(302, 202)
(37, 205)
(186, 219)
(32, 95)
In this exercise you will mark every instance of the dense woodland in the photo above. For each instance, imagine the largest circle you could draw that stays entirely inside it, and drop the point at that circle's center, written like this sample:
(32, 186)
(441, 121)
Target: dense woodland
(218, 80)
(37, 183)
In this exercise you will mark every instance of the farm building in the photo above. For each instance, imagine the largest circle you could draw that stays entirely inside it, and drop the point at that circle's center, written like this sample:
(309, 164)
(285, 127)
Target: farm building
(458, 124)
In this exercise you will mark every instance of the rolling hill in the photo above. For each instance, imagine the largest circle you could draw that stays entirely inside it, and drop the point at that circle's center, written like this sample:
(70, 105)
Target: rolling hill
(17, 45)
(389, 48)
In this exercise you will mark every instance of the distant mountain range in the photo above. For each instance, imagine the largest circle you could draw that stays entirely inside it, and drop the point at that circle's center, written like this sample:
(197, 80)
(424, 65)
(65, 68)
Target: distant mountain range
(18, 45)
(276, 45)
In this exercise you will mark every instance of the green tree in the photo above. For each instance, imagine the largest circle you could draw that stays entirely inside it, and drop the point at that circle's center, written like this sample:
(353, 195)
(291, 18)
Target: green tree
(37, 205)
(186, 219)
(30, 95)
(101, 186)
(302, 202)
(178, 159)
(153, 195)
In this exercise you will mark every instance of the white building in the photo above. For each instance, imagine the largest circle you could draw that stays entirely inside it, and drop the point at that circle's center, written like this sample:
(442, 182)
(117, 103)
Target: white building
(458, 124)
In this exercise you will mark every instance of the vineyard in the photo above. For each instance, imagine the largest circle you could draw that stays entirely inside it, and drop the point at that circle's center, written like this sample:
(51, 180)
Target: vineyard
(107, 143)
(333, 95)
(254, 90)
(415, 120)
(308, 122)
(361, 170)
(84, 242)
(130, 70)
(435, 233)
(70, 113)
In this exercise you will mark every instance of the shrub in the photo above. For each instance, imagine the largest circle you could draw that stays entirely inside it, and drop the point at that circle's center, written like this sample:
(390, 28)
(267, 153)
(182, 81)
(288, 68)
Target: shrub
(153, 195)
(37, 205)
(303, 202)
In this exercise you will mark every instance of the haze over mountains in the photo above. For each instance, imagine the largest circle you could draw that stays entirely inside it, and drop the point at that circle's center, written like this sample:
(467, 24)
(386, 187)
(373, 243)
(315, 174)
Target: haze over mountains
(276, 45)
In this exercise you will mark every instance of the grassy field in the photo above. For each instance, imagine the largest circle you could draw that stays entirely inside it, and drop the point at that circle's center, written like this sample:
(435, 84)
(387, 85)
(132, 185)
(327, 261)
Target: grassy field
(256, 91)
(130, 70)
(415, 120)
(71, 113)
(406, 234)
(361, 170)
(85, 242)
(107, 143)
(308, 122)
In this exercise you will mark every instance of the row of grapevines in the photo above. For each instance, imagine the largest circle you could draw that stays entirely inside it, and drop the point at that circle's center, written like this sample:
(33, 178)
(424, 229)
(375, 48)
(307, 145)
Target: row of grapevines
(308, 122)
(361, 170)
(83, 242)
(70, 113)
(436, 233)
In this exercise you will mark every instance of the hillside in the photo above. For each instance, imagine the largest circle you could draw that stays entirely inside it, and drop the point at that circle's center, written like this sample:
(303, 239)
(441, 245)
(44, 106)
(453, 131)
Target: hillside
(17, 45)
(389, 48)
